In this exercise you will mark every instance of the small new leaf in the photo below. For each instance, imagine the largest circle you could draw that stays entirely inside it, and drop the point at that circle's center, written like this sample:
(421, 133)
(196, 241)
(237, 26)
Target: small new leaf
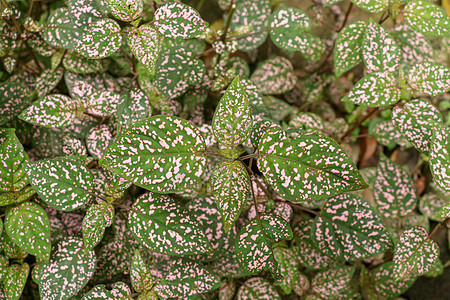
(97, 218)
(141, 277)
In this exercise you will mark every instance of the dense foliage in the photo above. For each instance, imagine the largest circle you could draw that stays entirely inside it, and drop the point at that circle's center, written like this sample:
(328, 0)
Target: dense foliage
(274, 152)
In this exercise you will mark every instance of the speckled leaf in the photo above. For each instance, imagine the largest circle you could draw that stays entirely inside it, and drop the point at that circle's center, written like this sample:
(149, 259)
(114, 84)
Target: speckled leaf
(4, 262)
(372, 6)
(75, 63)
(61, 32)
(15, 280)
(14, 159)
(254, 243)
(312, 166)
(84, 12)
(97, 218)
(134, 107)
(374, 90)
(348, 48)
(51, 111)
(141, 277)
(440, 156)
(254, 13)
(414, 253)
(171, 150)
(63, 183)
(101, 39)
(427, 18)
(257, 288)
(164, 226)
(416, 47)
(177, 69)
(48, 80)
(179, 20)
(14, 98)
(102, 103)
(68, 270)
(231, 187)
(430, 78)
(274, 76)
(232, 120)
(430, 205)
(309, 121)
(73, 146)
(98, 140)
(380, 51)
(120, 291)
(125, 10)
(387, 134)
(330, 283)
(416, 120)
(384, 285)
(28, 226)
(443, 213)
(394, 190)
(186, 278)
(145, 43)
(350, 229)
(288, 265)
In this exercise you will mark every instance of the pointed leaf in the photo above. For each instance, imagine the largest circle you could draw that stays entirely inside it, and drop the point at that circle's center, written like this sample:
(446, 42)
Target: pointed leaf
(75, 63)
(431, 205)
(348, 49)
(274, 76)
(440, 156)
(48, 80)
(164, 226)
(14, 98)
(288, 265)
(68, 270)
(102, 103)
(97, 218)
(257, 288)
(98, 140)
(120, 291)
(428, 18)
(126, 10)
(313, 166)
(162, 154)
(145, 44)
(13, 158)
(430, 78)
(141, 277)
(350, 229)
(134, 107)
(61, 32)
(28, 226)
(63, 183)
(15, 280)
(414, 254)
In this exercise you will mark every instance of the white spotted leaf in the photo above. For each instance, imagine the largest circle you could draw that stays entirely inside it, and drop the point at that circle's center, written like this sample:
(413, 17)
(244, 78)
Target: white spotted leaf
(120, 291)
(186, 278)
(145, 43)
(394, 191)
(48, 80)
(374, 90)
(330, 283)
(126, 10)
(102, 103)
(231, 187)
(84, 12)
(13, 158)
(164, 226)
(61, 32)
(97, 140)
(384, 284)
(14, 98)
(416, 121)
(100, 39)
(414, 253)
(348, 50)
(51, 111)
(97, 218)
(274, 76)
(179, 20)
(350, 229)
(163, 154)
(29, 228)
(134, 107)
(288, 265)
(430, 78)
(232, 121)
(257, 288)
(254, 243)
(428, 18)
(63, 183)
(312, 166)
(178, 69)
(372, 6)
(140, 275)
(68, 271)
(75, 63)
(440, 157)
(433, 206)
(15, 280)
(379, 50)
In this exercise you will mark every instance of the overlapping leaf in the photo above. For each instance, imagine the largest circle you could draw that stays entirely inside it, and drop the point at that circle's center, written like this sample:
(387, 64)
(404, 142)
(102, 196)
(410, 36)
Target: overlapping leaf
(288, 265)
(306, 168)
(120, 291)
(97, 218)
(15, 280)
(140, 275)
(384, 284)
(126, 10)
(428, 18)
(63, 183)
(257, 288)
(61, 32)
(68, 271)
(350, 229)
(13, 158)
(414, 254)
(440, 156)
(98, 139)
(75, 63)
(430, 78)
(14, 98)
(432, 206)
(145, 43)
(274, 76)
(164, 226)
(372, 6)
(163, 154)
(134, 107)
(330, 283)
(48, 80)
(348, 49)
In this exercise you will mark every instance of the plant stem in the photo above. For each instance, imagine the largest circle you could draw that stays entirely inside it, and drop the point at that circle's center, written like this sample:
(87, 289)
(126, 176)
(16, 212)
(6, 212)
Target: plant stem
(304, 208)
(227, 25)
(249, 156)
(200, 5)
(438, 227)
(371, 112)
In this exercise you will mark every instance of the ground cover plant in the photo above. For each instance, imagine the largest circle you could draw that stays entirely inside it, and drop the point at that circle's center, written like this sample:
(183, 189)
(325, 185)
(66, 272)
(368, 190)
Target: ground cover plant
(221, 149)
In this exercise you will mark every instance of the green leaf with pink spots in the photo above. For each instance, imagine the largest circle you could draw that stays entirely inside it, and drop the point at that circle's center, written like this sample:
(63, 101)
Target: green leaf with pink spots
(306, 168)
(165, 226)
(97, 218)
(383, 284)
(348, 49)
(126, 10)
(414, 253)
(257, 288)
(430, 78)
(140, 275)
(350, 229)
(15, 280)
(288, 265)
(440, 156)
(145, 43)
(372, 6)
(163, 154)
(428, 18)
(274, 76)
(332, 282)
(120, 291)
